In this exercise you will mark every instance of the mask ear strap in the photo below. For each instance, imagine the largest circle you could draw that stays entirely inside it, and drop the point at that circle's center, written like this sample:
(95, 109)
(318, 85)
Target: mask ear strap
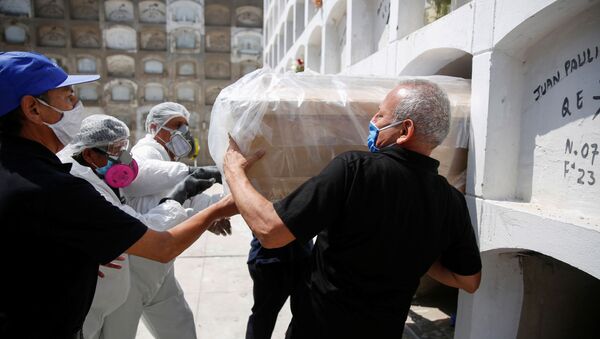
(90, 161)
(404, 129)
(161, 139)
(154, 129)
(95, 166)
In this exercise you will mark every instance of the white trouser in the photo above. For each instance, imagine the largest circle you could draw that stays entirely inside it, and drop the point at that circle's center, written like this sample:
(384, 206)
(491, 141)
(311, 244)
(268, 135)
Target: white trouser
(111, 293)
(155, 295)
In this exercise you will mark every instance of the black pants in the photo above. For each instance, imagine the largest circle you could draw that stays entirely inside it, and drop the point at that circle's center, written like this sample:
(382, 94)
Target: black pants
(273, 283)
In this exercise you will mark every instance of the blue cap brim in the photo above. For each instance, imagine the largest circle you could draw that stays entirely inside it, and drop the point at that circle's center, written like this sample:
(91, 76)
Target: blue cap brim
(78, 79)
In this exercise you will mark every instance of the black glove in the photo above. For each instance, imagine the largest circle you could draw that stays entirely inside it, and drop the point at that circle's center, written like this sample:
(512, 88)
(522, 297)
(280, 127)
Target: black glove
(206, 172)
(187, 188)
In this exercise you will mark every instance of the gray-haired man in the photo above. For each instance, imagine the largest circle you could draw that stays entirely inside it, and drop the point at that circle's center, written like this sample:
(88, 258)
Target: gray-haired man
(383, 218)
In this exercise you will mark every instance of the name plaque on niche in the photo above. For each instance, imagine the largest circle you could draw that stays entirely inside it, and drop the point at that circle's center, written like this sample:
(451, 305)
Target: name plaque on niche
(581, 161)
(585, 57)
(560, 139)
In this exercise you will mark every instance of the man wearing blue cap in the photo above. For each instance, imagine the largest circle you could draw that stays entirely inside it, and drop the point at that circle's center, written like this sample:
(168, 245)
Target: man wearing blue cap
(32, 80)
(56, 228)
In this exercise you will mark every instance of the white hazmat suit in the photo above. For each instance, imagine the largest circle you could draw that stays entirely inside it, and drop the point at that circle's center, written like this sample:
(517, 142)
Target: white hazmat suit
(113, 289)
(155, 294)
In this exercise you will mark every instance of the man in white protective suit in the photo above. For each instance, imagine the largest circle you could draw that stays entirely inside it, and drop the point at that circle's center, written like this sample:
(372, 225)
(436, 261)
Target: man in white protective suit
(155, 294)
(99, 155)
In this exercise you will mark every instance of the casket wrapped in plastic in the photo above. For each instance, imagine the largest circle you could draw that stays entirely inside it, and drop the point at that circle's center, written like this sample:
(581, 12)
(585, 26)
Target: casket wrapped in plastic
(303, 121)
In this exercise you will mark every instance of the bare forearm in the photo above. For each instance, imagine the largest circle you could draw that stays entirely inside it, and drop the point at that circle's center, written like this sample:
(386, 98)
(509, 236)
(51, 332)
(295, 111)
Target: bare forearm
(468, 283)
(185, 234)
(257, 211)
(166, 246)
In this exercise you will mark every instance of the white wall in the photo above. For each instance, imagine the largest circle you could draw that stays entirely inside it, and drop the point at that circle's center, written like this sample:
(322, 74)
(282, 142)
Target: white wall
(560, 149)
(494, 311)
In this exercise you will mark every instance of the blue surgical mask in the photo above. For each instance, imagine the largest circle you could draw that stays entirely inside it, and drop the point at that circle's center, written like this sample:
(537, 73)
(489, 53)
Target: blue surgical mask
(102, 170)
(374, 133)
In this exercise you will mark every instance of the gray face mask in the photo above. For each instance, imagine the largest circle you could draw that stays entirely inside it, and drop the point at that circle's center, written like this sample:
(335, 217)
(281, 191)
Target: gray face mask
(179, 144)
(68, 126)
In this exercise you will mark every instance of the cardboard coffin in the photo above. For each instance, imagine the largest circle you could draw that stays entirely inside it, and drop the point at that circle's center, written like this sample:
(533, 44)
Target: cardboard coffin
(304, 121)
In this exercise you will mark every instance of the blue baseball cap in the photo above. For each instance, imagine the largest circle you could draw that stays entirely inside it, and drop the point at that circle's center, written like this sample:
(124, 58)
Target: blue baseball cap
(30, 73)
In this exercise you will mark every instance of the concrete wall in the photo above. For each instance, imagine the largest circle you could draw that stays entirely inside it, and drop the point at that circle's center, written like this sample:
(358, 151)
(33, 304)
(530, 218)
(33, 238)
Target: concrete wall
(494, 311)
(560, 126)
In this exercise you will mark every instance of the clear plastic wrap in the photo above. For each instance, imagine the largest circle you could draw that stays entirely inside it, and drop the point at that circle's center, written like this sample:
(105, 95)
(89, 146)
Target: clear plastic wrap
(303, 121)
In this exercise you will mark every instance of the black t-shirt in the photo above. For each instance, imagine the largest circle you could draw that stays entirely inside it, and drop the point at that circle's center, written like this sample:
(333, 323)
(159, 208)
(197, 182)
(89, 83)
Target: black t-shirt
(382, 219)
(56, 229)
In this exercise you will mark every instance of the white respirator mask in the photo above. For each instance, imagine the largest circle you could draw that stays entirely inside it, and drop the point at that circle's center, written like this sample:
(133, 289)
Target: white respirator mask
(181, 143)
(68, 126)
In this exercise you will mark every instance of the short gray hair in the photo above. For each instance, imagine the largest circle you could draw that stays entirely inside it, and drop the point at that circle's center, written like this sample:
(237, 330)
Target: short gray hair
(427, 105)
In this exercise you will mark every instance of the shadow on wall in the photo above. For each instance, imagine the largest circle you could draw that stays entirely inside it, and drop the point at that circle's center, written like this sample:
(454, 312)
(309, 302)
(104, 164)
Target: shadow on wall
(559, 301)
(441, 61)
(526, 294)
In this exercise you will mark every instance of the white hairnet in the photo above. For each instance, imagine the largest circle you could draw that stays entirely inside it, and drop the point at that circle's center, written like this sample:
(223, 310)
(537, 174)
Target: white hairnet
(162, 113)
(98, 130)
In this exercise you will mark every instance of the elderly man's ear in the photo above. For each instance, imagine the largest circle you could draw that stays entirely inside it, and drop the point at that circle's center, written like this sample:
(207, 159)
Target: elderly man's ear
(408, 130)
